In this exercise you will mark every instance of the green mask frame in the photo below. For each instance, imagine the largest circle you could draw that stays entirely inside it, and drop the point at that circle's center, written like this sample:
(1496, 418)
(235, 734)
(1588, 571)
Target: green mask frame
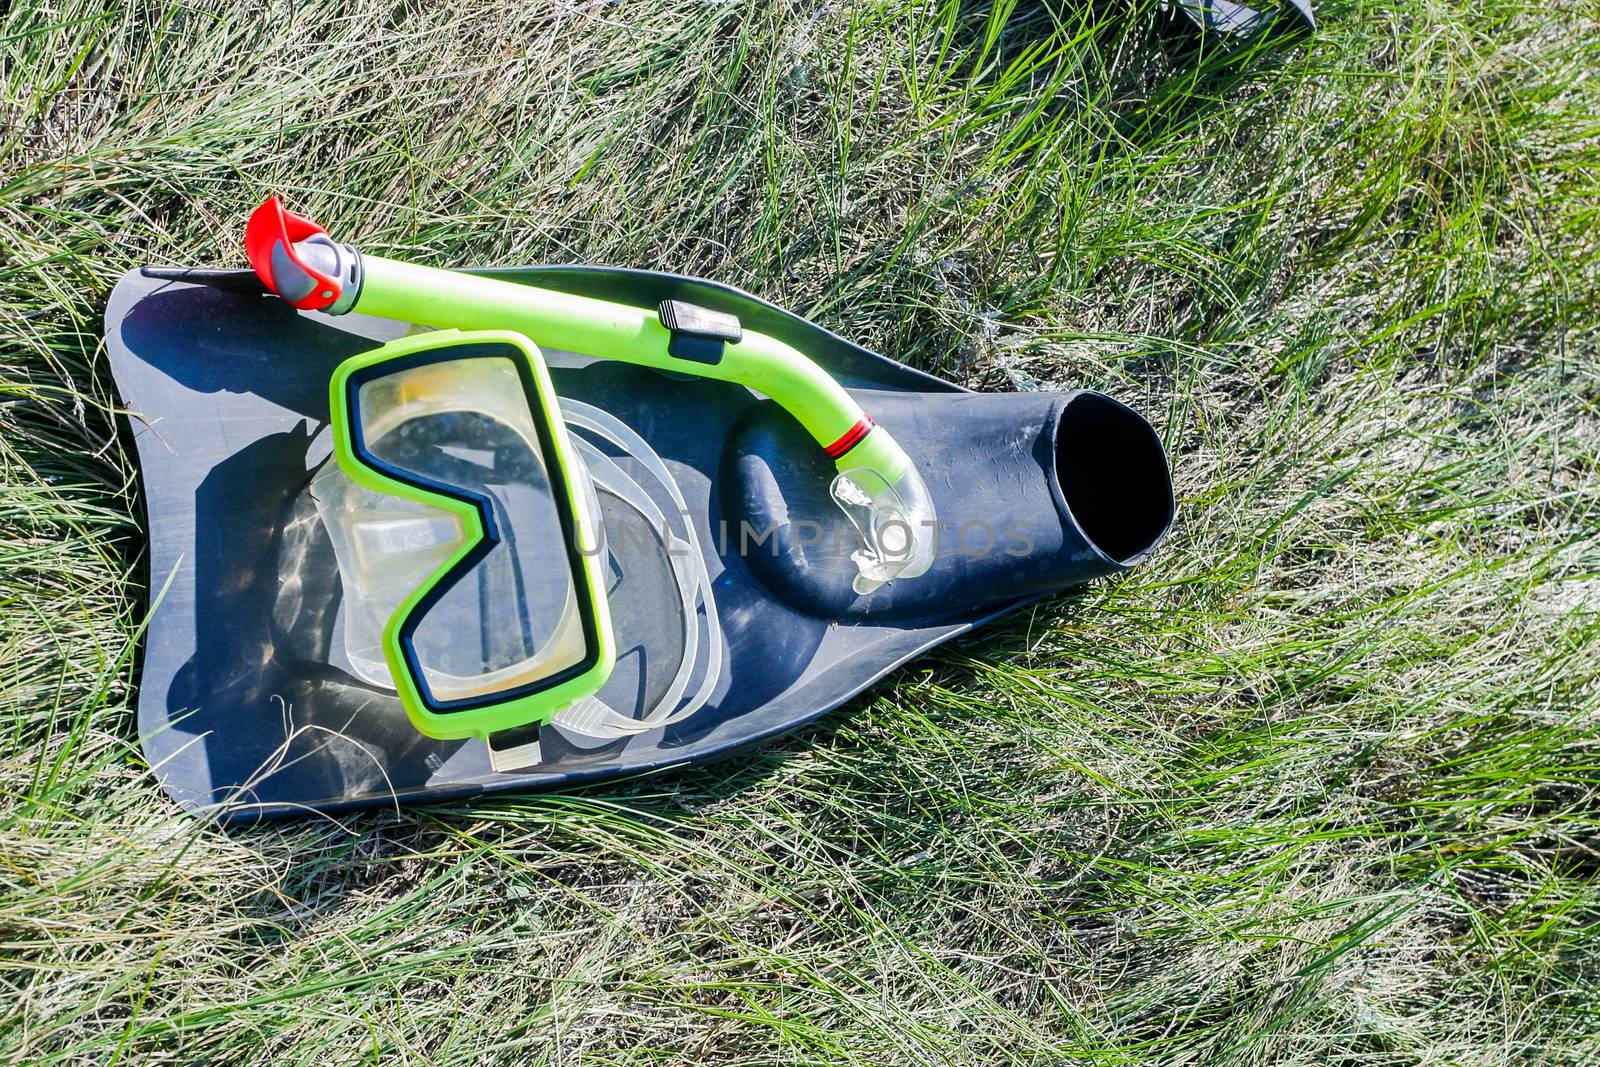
(458, 460)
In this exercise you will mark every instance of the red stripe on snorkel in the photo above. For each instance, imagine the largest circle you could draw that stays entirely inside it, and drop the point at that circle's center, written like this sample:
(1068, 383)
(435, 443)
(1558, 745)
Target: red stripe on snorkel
(851, 438)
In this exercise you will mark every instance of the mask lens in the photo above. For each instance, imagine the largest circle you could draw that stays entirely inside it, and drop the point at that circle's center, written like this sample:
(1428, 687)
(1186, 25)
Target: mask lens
(463, 426)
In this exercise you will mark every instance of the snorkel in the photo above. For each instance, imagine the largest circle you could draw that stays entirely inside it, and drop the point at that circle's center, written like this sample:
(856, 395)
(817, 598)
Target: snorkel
(877, 486)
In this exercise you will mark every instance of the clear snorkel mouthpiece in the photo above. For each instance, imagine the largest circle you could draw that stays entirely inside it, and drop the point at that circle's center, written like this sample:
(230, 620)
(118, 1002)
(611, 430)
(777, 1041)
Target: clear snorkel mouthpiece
(896, 521)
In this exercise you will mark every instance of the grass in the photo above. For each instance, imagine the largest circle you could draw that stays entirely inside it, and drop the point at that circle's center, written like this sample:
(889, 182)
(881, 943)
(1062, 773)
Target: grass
(1318, 785)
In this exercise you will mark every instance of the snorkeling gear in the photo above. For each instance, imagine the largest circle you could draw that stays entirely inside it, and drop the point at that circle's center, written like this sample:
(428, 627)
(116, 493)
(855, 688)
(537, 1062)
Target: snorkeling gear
(726, 561)
(878, 485)
(452, 463)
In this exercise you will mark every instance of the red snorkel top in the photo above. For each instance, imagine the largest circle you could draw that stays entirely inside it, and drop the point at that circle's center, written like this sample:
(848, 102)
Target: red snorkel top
(296, 259)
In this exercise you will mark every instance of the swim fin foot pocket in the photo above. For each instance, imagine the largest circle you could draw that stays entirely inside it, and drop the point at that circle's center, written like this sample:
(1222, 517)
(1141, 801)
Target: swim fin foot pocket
(391, 568)
(1034, 492)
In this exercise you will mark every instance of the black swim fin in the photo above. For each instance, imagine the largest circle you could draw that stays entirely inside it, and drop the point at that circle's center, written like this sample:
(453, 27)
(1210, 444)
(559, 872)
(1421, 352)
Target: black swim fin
(249, 704)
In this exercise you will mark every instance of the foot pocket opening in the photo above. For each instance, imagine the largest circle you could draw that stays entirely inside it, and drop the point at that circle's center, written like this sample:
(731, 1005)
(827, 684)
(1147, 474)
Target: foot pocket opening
(1113, 474)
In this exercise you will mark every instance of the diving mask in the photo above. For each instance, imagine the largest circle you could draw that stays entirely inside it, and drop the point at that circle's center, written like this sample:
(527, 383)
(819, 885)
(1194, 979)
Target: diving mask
(466, 533)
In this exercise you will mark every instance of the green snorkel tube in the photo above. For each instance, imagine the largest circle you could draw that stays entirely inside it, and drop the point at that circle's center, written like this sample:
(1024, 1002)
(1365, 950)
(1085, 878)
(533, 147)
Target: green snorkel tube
(878, 487)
